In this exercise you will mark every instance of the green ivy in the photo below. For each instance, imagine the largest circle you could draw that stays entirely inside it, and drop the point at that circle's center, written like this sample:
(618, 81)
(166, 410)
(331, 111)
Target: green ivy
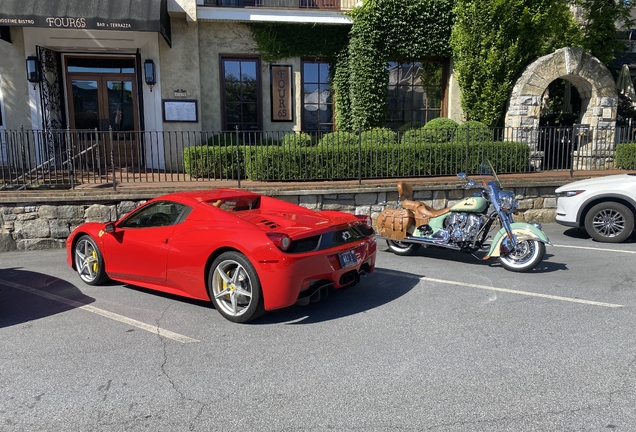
(494, 40)
(277, 41)
(382, 31)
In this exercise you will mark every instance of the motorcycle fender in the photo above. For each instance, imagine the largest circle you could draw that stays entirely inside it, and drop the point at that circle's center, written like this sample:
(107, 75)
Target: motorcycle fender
(522, 231)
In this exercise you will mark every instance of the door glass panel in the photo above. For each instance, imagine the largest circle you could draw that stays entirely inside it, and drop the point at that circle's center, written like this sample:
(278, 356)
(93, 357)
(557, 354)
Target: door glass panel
(85, 104)
(120, 105)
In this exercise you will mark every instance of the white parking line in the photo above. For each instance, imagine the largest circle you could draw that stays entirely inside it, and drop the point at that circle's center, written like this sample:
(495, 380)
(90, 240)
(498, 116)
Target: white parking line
(149, 328)
(526, 293)
(596, 249)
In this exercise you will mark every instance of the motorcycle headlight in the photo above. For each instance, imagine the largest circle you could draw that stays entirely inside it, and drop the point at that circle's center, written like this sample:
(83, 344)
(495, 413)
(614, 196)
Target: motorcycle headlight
(507, 201)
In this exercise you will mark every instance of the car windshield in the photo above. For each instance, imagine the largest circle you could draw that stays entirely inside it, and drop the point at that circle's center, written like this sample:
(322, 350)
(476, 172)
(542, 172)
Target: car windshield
(235, 204)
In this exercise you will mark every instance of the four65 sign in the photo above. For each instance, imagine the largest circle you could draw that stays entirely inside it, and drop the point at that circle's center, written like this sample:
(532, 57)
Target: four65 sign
(281, 96)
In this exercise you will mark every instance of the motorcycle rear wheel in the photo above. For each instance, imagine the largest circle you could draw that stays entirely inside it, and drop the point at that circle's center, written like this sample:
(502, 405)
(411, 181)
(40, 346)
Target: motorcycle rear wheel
(403, 249)
(527, 256)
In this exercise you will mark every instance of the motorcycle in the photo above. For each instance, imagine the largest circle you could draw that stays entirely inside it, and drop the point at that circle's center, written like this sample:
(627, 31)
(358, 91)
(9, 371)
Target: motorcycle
(466, 225)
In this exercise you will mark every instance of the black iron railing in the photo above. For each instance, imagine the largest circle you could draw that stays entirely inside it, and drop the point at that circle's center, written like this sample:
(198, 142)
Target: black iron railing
(68, 158)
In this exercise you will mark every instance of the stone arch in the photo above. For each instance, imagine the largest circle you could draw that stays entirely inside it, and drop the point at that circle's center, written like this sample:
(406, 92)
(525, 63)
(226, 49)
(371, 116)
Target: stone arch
(594, 82)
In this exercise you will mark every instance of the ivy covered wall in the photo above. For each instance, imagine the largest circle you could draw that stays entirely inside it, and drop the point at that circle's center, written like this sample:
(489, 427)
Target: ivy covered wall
(382, 30)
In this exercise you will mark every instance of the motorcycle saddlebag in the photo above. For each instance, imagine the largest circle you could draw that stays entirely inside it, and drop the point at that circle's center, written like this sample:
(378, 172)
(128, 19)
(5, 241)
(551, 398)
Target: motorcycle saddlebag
(393, 223)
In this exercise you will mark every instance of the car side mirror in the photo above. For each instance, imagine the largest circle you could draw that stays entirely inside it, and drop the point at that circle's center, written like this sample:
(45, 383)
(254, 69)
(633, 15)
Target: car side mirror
(109, 227)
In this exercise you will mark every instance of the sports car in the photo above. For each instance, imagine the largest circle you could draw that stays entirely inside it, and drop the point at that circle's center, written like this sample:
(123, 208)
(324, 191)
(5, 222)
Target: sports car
(247, 253)
(604, 206)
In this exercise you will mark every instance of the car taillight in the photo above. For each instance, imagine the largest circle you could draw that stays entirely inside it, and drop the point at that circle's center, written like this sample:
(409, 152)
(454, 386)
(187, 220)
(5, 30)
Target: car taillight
(282, 241)
(367, 220)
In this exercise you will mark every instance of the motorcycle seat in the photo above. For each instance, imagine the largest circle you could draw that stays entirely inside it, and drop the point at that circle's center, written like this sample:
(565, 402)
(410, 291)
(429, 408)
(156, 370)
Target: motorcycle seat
(421, 210)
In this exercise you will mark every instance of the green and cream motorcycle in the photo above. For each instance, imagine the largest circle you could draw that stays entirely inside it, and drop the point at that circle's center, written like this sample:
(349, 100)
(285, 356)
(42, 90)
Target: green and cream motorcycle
(466, 226)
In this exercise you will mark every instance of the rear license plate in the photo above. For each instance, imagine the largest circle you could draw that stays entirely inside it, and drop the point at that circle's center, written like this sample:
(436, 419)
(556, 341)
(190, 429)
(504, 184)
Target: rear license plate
(347, 259)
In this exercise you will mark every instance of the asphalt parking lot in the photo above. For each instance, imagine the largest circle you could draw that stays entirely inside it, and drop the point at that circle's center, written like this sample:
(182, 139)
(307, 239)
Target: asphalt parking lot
(438, 341)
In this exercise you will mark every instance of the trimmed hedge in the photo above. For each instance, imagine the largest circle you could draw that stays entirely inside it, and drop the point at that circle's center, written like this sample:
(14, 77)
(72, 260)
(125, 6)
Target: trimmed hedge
(212, 161)
(345, 162)
(626, 156)
(384, 161)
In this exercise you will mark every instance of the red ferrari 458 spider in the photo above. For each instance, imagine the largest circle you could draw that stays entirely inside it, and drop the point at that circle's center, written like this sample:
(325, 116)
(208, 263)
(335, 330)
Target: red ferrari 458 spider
(245, 252)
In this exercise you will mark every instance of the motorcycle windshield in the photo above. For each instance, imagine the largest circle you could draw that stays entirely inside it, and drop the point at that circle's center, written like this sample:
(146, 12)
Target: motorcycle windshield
(488, 173)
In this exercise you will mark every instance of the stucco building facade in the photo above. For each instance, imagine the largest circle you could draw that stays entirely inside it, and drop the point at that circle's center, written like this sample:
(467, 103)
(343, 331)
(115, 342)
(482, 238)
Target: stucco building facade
(180, 65)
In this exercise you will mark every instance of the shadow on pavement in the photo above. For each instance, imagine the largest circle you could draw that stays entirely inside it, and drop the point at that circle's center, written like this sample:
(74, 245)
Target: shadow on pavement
(545, 266)
(27, 296)
(576, 233)
(381, 287)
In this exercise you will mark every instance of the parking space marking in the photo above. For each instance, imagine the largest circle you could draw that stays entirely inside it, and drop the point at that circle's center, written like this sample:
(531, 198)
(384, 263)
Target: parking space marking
(596, 249)
(526, 293)
(141, 325)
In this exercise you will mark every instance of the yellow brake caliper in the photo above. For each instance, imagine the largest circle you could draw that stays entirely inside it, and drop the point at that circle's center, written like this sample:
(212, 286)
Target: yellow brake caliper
(225, 284)
(95, 263)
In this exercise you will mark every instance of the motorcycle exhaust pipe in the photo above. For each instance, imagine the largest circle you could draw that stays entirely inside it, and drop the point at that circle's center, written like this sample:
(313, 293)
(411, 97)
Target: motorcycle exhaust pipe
(428, 242)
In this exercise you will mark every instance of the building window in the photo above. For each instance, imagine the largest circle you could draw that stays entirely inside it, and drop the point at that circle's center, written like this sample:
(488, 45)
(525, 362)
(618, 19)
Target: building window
(416, 93)
(317, 113)
(240, 78)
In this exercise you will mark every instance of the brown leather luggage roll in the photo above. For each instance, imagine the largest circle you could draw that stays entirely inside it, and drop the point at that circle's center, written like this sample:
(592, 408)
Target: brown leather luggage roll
(392, 223)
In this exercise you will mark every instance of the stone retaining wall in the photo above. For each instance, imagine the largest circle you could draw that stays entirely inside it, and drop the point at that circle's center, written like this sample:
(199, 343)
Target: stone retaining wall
(37, 226)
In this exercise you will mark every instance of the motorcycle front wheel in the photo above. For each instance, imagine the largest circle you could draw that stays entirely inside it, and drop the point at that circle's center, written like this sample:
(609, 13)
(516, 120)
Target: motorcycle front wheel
(526, 256)
(403, 249)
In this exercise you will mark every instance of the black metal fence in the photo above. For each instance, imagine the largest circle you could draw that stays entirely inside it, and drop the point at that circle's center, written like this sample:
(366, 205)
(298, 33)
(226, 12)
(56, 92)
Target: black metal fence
(67, 158)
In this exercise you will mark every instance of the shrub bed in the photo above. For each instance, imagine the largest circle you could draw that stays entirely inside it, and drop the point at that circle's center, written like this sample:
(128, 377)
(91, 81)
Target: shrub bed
(626, 156)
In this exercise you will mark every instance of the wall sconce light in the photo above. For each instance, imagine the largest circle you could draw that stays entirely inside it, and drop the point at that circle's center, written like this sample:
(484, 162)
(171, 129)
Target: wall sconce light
(33, 70)
(149, 72)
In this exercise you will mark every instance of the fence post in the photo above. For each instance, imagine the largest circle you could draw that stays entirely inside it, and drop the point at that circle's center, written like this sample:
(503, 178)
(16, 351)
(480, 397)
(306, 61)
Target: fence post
(112, 155)
(22, 153)
(467, 145)
(69, 157)
(359, 156)
(238, 156)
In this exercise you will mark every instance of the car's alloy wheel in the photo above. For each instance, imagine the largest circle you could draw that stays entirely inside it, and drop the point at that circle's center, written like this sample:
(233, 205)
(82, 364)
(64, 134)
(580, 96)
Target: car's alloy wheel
(89, 262)
(235, 288)
(526, 256)
(609, 222)
(403, 249)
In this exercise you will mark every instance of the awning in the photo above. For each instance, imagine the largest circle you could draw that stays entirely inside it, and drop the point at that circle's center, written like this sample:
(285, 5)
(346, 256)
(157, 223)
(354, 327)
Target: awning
(122, 15)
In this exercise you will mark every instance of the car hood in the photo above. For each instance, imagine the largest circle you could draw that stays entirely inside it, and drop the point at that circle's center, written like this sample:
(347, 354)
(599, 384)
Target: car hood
(599, 183)
(294, 224)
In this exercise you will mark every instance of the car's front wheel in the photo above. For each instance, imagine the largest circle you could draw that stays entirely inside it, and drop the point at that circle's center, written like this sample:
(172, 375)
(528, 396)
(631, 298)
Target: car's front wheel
(234, 288)
(89, 261)
(609, 222)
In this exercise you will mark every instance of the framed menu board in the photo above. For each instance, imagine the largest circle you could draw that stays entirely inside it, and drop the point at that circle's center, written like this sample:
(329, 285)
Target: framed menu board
(180, 110)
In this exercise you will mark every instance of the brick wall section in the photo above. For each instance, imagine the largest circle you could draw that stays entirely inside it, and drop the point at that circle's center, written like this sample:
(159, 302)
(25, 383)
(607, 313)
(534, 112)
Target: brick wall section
(46, 225)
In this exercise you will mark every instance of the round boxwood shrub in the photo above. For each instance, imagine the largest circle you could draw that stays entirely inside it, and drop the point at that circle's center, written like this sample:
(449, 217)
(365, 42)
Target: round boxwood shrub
(378, 136)
(474, 130)
(440, 130)
(300, 139)
(338, 139)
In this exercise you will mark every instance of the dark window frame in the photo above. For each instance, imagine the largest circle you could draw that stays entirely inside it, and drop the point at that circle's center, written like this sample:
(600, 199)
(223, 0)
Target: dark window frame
(259, 92)
(443, 110)
(303, 124)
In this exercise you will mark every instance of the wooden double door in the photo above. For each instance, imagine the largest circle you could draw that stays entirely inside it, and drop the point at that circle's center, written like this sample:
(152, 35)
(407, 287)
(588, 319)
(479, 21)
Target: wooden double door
(102, 94)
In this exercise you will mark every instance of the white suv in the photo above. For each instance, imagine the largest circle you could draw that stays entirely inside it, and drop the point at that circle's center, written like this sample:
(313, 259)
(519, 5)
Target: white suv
(605, 206)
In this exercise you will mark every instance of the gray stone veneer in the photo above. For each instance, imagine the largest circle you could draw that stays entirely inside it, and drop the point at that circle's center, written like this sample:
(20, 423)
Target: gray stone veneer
(37, 226)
